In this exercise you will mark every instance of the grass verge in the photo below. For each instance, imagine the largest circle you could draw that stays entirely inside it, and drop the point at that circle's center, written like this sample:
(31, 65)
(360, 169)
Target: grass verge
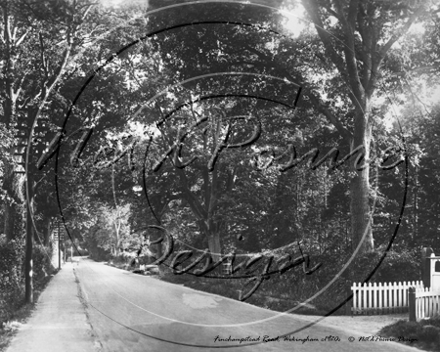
(424, 334)
(264, 297)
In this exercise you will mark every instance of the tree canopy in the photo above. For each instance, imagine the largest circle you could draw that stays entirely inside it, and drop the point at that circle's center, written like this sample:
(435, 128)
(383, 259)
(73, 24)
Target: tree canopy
(207, 119)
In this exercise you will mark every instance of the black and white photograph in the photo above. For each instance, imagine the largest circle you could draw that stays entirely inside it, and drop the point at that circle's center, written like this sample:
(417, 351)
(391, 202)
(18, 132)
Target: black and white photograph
(219, 175)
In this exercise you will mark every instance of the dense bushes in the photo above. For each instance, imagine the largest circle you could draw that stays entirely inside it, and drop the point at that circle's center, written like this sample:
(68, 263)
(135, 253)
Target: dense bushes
(100, 255)
(11, 277)
(12, 273)
(402, 266)
(286, 291)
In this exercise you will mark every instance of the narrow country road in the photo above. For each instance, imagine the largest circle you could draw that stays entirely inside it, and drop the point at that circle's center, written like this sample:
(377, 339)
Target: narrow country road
(130, 312)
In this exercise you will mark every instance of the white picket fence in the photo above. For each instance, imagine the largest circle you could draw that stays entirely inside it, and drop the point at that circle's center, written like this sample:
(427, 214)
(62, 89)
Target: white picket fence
(427, 303)
(382, 298)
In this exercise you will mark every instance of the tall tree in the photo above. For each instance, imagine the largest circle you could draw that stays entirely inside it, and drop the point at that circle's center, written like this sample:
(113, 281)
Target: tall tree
(356, 37)
(37, 43)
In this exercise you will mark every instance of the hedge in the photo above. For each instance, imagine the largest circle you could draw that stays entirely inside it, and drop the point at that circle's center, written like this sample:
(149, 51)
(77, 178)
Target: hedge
(12, 273)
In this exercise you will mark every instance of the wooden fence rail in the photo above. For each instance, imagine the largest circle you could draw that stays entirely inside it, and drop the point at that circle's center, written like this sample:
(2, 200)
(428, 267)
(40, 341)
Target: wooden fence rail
(382, 298)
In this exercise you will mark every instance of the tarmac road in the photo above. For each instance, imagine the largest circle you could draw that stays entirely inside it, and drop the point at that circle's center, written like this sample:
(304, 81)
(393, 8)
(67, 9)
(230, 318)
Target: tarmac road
(130, 312)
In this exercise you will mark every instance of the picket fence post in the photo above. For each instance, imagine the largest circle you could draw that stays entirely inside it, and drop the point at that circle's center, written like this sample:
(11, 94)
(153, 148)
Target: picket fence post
(412, 303)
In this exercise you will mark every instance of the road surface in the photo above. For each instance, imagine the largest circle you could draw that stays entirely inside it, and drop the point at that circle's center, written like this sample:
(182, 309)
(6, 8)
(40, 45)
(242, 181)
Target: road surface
(130, 312)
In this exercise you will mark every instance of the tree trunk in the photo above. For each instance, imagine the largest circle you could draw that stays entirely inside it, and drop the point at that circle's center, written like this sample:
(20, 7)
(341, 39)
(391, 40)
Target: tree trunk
(415, 234)
(10, 218)
(47, 231)
(361, 217)
(29, 286)
(214, 246)
(117, 242)
(12, 209)
(159, 247)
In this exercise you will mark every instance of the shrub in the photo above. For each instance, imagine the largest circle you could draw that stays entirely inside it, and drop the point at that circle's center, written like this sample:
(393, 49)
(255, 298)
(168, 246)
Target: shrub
(119, 259)
(430, 334)
(396, 266)
(177, 279)
(41, 259)
(402, 328)
(12, 256)
(425, 333)
(100, 255)
(11, 277)
(434, 321)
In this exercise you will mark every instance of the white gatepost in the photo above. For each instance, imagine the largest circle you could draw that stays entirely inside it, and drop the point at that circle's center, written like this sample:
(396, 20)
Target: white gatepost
(435, 273)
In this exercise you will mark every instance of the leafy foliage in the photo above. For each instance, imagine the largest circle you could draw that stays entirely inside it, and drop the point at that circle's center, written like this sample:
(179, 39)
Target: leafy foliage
(11, 273)
(11, 278)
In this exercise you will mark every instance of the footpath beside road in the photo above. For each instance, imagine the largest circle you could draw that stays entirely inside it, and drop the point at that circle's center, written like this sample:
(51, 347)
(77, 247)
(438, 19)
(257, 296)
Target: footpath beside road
(59, 321)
